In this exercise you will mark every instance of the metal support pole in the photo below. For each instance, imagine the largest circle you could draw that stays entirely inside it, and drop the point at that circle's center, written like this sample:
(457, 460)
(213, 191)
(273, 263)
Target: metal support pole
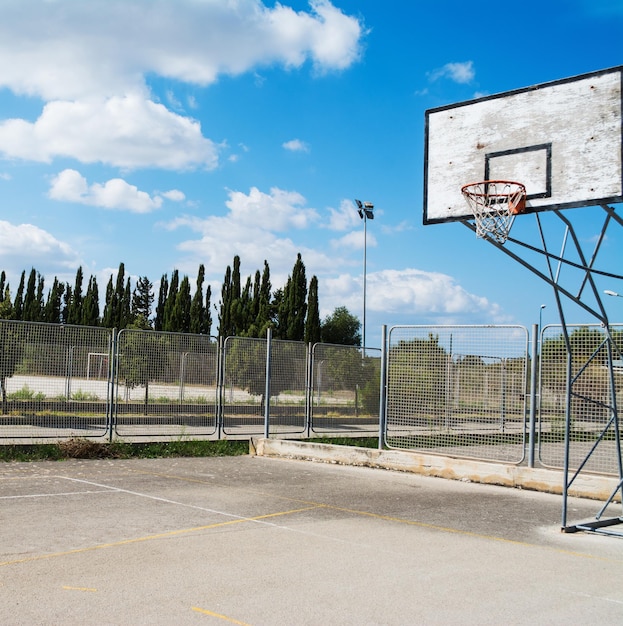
(112, 376)
(534, 356)
(365, 246)
(383, 387)
(269, 338)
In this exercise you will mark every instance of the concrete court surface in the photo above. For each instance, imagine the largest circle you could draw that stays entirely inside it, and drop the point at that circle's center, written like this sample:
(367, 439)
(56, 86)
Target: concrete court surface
(255, 540)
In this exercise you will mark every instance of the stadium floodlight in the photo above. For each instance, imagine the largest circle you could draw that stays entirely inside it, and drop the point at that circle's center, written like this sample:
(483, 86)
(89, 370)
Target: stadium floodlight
(609, 292)
(366, 212)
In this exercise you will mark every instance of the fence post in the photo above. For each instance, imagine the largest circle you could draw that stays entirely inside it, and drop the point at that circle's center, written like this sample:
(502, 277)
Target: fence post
(309, 391)
(269, 338)
(220, 378)
(383, 386)
(533, 393)
(112, 376)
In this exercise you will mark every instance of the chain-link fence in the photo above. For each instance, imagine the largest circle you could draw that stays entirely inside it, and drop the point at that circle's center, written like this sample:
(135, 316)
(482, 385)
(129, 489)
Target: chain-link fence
(451, 390)
(54, 380)
(458, 390)
(345, 389)
(165, 384)
(592, 393)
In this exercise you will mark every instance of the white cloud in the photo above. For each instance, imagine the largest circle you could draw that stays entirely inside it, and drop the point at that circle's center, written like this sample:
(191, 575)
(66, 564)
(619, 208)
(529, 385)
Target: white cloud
(343, 218)
(175, 195)
(23, 246)
(89, 62)
(295, 145)
(462, 73)
(72, 50)
(127, 132)
(70, 186)
(407, 292)
(253, 228)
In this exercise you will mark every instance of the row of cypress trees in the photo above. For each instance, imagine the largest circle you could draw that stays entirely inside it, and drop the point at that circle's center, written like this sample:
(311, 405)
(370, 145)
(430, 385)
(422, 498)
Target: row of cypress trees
(292, 311)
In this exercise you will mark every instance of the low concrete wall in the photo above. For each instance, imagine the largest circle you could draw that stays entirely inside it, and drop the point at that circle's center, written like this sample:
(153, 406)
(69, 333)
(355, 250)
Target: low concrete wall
(537, 479)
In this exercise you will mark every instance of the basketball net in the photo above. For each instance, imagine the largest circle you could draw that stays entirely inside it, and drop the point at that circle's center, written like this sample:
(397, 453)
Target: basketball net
(495, 203)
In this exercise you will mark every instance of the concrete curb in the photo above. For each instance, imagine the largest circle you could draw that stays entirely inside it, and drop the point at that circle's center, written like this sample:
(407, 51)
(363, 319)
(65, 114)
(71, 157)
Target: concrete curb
(536, 479)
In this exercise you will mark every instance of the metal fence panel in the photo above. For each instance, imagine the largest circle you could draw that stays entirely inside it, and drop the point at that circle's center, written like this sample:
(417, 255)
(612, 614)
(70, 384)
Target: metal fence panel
(165, 384)
(590, 401)
(244, 385)
(49, 383)
(345, 389)
(458, 390)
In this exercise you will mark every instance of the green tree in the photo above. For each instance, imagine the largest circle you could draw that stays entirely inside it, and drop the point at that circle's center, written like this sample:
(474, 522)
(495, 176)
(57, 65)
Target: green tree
(312, 321)
(32, 311)
(6, 306)
(198, 311)
(18, 304)
(74, 313)
(163, 292)
(341, 327)
(117, 306)
(53, 305)
(169, 305)
(180, 316)
(230, 306)
(291, 306)
(142, 301)
(91, 305)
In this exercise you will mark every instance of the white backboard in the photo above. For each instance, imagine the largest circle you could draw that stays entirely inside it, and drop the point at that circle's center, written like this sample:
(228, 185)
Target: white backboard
(562, 140)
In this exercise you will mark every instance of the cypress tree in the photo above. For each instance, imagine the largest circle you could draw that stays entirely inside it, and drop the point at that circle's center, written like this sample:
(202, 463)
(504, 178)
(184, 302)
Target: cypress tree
(297, 302)
(169, 305)
(197, 309)
(32, 308)
(67, 295)
(180, 317)
(18, 304)
(208, 311)
(163, 292)
(74, 313)
(312, 321)
(224, 318)
(91, 305)
(52, 309)
(142, 300)
(109, 306)
(125, 306)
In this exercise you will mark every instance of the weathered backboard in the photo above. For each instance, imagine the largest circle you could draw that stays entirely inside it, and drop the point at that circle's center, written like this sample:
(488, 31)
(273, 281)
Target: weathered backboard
(562, 140)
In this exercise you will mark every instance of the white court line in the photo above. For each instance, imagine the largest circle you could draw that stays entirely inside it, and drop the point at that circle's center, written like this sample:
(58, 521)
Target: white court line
(176, 502)
(51, 495)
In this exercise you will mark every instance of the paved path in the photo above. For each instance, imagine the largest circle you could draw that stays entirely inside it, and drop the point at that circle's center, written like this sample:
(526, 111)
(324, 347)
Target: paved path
(252, 540)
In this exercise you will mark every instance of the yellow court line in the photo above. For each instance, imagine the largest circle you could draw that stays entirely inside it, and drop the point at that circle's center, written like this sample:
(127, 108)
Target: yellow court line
(231, 620)
(171, 533)
(397, 520)
(68, 588)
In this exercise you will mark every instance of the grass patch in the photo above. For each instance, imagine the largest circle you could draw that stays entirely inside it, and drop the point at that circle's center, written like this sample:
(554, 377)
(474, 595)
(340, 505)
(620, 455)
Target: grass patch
(79, 448)
(357, 442)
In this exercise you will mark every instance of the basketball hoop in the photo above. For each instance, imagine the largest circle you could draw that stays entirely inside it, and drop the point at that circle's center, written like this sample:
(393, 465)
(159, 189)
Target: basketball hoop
(495, 203)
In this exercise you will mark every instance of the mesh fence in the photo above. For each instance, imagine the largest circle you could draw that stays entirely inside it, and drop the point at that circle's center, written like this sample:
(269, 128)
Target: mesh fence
(288, 386)
(166, 383)
(244, 385)
(345, 389)
(592, 394)
(48, 382)
(458, 390)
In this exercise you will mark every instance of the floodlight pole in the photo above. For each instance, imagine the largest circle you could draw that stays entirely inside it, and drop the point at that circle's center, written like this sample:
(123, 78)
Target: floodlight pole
(365, 210)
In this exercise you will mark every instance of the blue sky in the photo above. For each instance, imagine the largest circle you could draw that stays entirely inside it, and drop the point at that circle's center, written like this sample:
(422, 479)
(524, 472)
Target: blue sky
(168, 134)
